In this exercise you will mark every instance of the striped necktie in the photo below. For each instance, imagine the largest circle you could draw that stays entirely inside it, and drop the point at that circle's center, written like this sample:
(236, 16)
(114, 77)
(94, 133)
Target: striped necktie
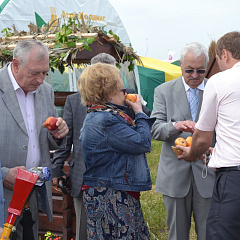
(193, 104)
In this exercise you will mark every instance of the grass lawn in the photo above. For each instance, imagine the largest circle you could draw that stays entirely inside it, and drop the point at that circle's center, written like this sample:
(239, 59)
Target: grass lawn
(152, 202)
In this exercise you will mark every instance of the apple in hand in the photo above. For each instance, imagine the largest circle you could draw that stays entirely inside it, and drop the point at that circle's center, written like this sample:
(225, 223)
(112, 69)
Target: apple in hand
(51, 123)
(131, 97)
(189, 141)
(181, 142)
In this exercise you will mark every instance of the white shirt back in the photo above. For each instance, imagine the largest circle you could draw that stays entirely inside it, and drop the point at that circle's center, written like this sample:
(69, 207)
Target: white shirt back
(221, 111)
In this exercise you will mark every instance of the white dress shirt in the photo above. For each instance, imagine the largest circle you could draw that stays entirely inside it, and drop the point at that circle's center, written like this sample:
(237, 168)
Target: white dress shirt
(221, 111)
(27, 106)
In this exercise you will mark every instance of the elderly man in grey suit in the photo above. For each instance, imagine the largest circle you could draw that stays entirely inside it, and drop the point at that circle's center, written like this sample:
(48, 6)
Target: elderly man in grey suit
(26, 101)
(177, 104)
(74, 115)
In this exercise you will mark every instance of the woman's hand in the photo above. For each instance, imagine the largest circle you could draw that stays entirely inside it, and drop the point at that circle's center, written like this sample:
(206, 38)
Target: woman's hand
(136, 106)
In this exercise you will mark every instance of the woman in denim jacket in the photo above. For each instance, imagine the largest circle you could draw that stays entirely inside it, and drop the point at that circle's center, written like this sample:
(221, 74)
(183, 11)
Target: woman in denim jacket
(114, 148)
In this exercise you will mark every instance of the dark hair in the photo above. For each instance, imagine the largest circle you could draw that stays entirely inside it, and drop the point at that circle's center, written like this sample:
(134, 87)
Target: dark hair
(231, 42)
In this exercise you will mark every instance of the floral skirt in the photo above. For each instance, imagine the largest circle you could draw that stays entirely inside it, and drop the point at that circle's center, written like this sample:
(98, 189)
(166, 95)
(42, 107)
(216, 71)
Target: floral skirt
(113, 214)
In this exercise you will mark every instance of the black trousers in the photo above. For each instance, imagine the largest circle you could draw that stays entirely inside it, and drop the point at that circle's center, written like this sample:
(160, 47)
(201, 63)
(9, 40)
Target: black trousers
(223, 221)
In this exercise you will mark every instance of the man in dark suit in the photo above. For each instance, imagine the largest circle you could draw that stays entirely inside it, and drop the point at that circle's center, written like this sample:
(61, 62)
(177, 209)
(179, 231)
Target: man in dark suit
(185, 190)
(74, 115)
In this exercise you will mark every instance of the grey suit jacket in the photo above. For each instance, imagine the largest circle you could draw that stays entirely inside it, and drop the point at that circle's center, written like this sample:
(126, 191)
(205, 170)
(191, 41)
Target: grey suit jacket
(14, 136)
(74, 115)
(174, 176)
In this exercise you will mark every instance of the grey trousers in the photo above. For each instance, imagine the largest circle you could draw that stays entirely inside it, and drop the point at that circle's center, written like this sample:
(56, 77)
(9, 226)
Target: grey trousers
(180, 210)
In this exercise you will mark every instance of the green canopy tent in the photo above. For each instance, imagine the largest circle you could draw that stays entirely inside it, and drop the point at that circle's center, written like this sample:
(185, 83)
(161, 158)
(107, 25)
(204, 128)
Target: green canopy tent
(153, 73)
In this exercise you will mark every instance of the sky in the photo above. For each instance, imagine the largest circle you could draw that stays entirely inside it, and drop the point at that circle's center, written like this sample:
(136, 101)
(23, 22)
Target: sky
(159, 27)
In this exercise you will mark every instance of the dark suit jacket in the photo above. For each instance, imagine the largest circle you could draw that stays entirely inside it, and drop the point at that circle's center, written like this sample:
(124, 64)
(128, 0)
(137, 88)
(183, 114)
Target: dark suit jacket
(74, 115)
(129, 110)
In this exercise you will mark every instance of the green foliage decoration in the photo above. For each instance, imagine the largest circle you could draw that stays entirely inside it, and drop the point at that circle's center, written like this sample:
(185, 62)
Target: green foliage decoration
(7, 32)
(67, 42)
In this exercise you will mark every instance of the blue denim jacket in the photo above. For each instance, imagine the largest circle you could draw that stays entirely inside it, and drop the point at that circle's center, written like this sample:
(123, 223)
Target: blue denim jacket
(114, 151)
(2, 200)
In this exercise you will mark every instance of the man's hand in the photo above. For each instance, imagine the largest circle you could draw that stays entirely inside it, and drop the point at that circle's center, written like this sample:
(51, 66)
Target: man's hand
(186, 126)
(185, 154)
(11, 177)
(201, 141)
(206, 157)
(61, 131)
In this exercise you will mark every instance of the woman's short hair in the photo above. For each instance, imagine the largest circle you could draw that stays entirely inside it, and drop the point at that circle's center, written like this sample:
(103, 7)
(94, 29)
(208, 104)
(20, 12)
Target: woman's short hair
(231, 42)
(98, 82)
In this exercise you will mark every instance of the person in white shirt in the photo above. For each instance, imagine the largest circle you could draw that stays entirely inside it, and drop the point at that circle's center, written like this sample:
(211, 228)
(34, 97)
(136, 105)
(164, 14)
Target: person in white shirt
(221, 112)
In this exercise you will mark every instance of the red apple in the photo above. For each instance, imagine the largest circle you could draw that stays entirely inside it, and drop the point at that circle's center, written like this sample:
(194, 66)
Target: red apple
(51, 123)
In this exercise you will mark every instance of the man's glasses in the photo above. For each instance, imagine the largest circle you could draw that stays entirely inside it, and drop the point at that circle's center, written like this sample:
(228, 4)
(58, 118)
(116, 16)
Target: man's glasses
(199, 71)
(123, 90)
(35, 73)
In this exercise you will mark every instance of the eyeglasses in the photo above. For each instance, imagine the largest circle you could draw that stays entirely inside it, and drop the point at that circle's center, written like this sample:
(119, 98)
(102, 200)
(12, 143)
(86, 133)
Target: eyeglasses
(35, 73)
(123, 90)
(199, 71)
